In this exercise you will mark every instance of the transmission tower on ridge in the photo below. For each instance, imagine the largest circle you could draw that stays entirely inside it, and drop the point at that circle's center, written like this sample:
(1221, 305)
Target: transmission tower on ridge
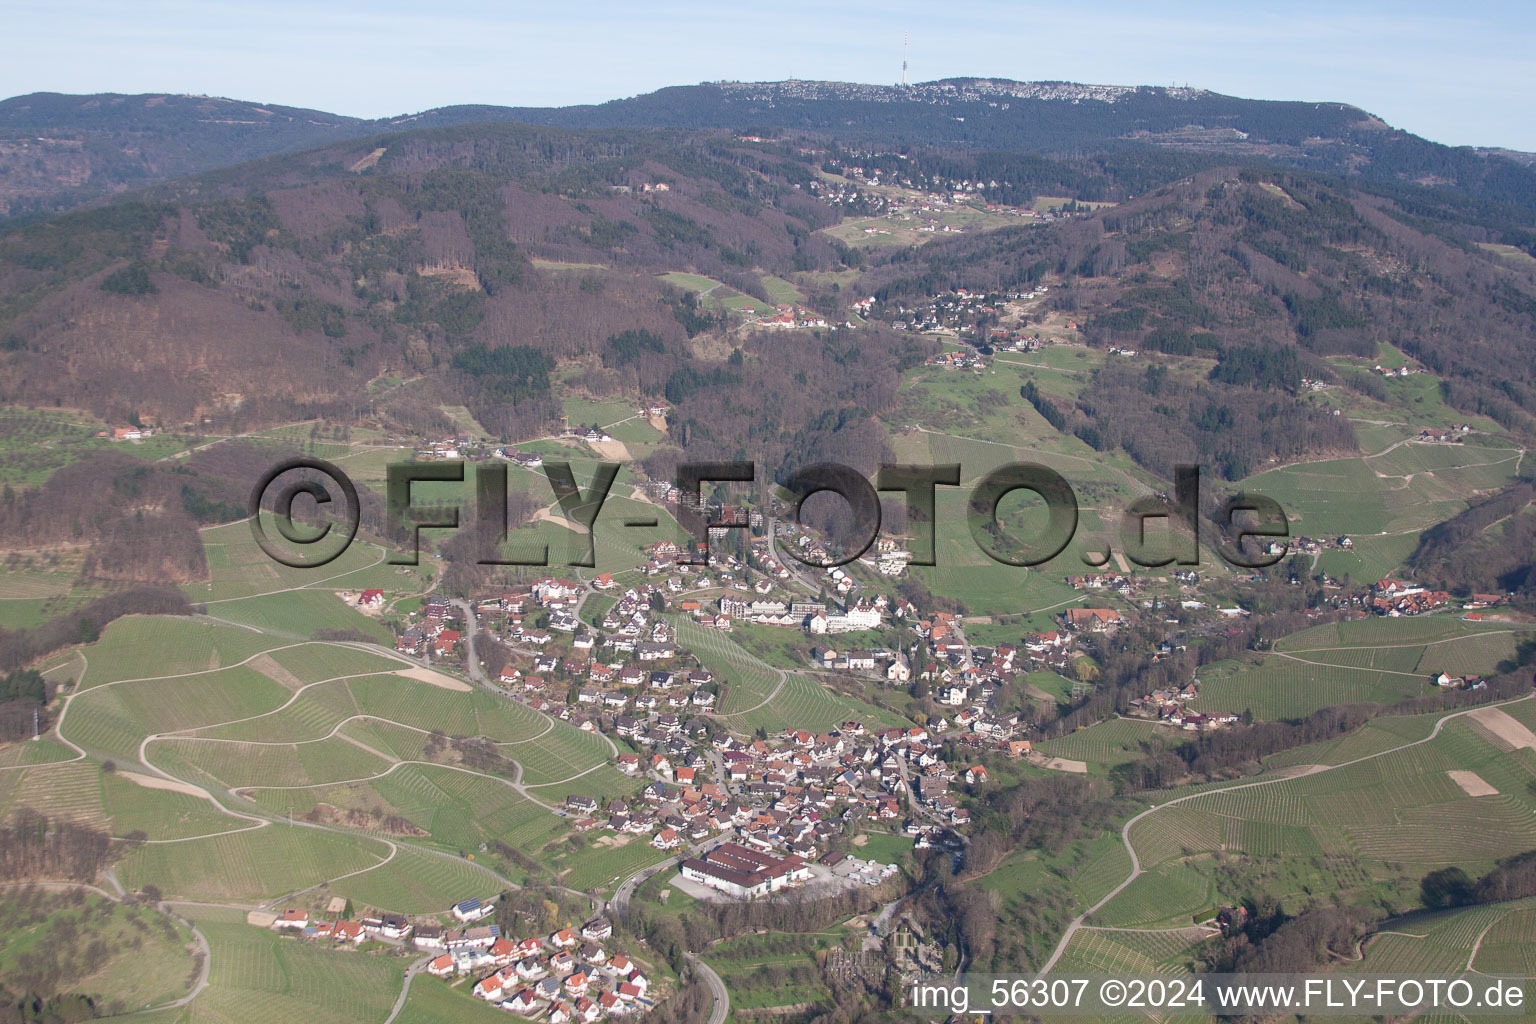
(904, 60)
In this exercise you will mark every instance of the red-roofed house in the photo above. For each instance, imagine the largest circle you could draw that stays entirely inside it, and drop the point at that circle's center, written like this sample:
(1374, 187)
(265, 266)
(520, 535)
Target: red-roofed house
(292, 919)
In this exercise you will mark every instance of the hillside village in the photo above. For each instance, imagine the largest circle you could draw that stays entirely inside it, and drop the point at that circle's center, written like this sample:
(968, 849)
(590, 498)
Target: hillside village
(623, 672)
(568, 975)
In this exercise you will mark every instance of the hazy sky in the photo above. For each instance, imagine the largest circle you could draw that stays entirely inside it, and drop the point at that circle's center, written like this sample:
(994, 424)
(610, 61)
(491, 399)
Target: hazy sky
(1456, 73)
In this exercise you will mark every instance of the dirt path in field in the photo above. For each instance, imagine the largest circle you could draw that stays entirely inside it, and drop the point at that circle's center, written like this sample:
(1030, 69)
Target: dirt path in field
(154, 782)
(611, 451)
(269, 667)
(547, 515)
(1509, 732)
(426, 675)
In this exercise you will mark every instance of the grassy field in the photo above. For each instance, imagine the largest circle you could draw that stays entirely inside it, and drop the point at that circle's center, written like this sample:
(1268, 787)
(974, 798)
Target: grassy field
(774, 970)
(1127, 952)
(988, 427)
(113, 719)
(917, 228)
(602, 867)
(34, 443)
(159, 813)
(558, 755)
(1502, 934)
(1109, 743)
(749, 680)
(1381, 660)
(320, 707)
(1515, 256)
(782, 292)
(453, 809)
(585, 410)
(299, 613)
(715, 295)
(1168, 895)
(418, 883)
(433, 1002)
(26, 752)
(234, 765)
(239, 568)
(882, 847)
(1381, 821)
(1383, 501)
(755, 698)
(36, 589)
(154, 646)
(806, 703)
(256, 864)
(259, 977)
(146, 958)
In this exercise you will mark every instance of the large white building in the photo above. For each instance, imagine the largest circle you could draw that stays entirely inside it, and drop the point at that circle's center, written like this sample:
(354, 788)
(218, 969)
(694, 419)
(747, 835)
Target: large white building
(738, 871)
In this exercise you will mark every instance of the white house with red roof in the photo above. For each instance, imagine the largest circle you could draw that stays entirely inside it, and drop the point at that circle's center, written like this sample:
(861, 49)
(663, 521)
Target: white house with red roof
(292, 919)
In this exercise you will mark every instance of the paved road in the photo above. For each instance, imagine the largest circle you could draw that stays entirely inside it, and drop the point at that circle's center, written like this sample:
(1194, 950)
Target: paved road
(716, 988)
(472, 663)
(619, 905)
(794, 565)
(405, 989)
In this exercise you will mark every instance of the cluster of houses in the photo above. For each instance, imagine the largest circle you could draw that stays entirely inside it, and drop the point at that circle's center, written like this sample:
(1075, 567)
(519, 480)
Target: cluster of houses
(645, 188)
(566, 976)
(889, 559)
(1169, 706)
(371, 599)
(1313, 545)
(386, 927)
(812, 616)
(791, 795)
(523, 460)
(957, 359)
(1445, 680)
(1394, 598)
(971, 316)
(786, 317)
(432, 634)
(444, 448)
(1006, 340)
(1092, 620)
(591, 433)
(1121, 583)
(1444, 435)
(634, 664)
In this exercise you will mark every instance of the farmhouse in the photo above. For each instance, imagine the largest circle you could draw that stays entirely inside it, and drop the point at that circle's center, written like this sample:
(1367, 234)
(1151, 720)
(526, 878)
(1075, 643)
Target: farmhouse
(1096, 620)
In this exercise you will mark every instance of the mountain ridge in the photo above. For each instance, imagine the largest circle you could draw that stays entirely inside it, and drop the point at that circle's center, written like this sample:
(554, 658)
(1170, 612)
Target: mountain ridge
(60, 150)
